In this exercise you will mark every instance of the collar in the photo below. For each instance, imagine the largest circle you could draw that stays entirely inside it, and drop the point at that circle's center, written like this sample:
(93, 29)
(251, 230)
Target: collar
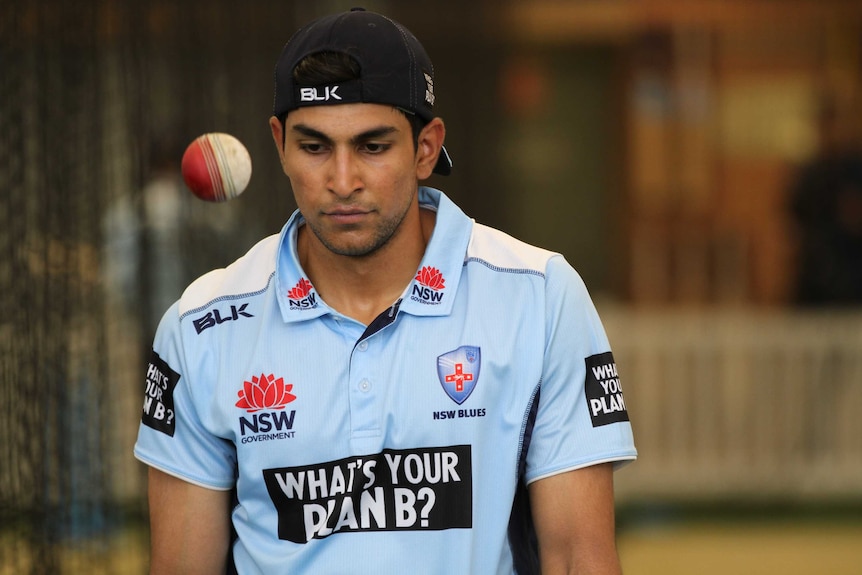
(430, 293)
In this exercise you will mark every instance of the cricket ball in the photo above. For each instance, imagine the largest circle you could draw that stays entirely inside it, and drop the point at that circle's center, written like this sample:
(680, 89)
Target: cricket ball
(216, 167)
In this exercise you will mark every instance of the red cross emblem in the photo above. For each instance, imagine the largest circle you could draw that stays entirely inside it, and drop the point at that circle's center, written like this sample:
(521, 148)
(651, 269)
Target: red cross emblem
(458, 372)
(459, 377)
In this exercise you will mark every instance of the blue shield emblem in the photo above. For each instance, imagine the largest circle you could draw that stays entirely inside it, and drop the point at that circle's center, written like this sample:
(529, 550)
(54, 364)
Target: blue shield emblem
(458, 371)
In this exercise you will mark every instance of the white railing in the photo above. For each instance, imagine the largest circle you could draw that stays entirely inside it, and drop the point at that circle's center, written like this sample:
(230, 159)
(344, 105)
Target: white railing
(740, 403)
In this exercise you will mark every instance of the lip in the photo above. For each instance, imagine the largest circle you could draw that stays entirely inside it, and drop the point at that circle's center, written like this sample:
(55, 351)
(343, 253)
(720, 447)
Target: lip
(346, 215)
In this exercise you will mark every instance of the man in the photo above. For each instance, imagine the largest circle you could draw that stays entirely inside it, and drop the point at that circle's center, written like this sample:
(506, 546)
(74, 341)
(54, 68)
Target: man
(386, 386)
(825, 204)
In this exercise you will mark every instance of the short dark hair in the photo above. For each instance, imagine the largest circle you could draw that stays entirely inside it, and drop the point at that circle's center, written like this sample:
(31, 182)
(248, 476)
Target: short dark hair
(334, 67)
(326, 68)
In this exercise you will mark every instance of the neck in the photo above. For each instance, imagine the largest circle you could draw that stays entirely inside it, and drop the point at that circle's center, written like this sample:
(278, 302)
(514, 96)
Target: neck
(362, 287)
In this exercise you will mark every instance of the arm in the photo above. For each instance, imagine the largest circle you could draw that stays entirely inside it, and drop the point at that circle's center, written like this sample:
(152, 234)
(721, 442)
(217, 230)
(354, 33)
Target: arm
(189, 526)
(574, 518)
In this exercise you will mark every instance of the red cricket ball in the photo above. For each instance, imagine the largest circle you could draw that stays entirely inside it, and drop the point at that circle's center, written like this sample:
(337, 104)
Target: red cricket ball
(216, 167)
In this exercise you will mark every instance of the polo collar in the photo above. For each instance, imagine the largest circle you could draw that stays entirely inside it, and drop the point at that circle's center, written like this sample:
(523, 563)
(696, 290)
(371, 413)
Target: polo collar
(430, 293)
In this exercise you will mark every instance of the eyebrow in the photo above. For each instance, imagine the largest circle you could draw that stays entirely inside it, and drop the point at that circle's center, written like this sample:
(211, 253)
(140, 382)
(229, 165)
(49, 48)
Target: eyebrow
(365, 136)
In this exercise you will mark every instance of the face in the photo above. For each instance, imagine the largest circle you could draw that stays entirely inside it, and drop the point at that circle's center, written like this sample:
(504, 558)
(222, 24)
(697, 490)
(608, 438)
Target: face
(354, 170)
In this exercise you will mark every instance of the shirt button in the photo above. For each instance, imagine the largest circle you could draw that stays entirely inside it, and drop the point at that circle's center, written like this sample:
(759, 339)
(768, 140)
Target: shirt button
(363, 345)
(365, 385)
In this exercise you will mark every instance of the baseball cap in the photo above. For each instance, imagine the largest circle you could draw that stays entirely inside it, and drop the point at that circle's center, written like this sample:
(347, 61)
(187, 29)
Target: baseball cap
(394, 68)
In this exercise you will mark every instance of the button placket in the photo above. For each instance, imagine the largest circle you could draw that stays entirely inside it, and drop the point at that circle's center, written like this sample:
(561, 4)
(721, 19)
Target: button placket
(363, 399)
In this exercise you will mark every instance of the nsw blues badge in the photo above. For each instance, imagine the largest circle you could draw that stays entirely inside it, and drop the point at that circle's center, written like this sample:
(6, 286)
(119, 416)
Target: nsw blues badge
(458, 371)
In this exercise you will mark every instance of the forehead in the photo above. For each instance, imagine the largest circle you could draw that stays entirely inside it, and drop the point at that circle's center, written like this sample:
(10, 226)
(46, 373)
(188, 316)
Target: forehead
(348, 120)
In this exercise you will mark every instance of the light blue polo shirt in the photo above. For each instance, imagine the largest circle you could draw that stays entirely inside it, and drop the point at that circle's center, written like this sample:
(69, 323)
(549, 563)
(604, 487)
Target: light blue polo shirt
(403, 446)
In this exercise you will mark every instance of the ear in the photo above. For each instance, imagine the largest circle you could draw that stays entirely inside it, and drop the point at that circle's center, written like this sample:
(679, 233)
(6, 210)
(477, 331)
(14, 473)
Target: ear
(277, 129)
(428, 147)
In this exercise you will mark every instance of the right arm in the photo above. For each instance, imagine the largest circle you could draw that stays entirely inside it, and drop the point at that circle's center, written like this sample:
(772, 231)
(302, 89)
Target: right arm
(189, 527)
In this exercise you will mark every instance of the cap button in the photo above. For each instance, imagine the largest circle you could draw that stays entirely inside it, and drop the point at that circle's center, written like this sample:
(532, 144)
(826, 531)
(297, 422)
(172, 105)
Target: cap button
(357, 9)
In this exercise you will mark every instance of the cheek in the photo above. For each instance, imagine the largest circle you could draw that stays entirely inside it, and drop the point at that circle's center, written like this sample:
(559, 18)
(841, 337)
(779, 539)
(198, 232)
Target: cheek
(301, 181)
(405, 183)
(303, 197)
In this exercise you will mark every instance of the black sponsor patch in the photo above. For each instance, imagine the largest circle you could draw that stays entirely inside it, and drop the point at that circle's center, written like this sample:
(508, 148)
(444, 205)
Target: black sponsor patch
(159, 396)
(604, 391)
(395, 490)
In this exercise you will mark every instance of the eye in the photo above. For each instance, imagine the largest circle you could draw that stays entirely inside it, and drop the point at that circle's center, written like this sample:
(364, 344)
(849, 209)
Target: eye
(375, 147)
(312, 147)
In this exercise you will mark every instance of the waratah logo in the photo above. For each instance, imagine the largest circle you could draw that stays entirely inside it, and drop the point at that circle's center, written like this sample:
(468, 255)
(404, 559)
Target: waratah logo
(264, 392)
(300, 290)
(431, 277)
(301, 296)
(429, 285)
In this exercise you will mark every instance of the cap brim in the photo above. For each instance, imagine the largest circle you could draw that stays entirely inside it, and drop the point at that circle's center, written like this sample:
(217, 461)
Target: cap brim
(444, 163)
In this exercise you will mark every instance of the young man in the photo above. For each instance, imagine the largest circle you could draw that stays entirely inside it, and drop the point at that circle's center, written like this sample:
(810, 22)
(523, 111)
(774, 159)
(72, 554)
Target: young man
(386, 386)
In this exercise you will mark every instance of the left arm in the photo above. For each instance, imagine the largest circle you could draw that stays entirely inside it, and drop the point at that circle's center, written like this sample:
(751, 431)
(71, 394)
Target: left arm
(574, 517)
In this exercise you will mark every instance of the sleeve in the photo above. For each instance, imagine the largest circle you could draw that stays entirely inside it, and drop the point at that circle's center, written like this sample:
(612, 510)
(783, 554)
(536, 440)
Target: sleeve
(581, 418)
(173, 437)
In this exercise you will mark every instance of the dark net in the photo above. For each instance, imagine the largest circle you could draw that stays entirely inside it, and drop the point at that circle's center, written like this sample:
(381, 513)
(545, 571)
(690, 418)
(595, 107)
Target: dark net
(98, 235)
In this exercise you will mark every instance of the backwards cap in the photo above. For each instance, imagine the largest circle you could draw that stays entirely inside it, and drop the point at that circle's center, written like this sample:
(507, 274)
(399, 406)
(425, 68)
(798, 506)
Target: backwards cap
(394, 68)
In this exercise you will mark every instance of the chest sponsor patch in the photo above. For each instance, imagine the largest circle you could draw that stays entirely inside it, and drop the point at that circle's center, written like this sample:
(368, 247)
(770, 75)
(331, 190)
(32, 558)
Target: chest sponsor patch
(159, 396)
(603, 390)
(394, 490)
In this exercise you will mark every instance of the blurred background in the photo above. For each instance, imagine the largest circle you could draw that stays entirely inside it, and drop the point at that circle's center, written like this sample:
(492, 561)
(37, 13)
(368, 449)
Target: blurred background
(698, 161)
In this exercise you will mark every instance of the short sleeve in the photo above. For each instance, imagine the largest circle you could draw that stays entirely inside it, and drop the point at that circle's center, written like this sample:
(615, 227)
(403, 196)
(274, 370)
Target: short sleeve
(173, 437)
(581, 418)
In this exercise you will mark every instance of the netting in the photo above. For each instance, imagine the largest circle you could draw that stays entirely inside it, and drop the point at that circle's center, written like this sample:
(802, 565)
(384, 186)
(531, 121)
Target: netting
(53, 488)
(97, 235)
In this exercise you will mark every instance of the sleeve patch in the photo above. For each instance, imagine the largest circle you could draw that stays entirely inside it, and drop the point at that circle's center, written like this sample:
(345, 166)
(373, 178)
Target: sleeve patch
(158, 410)
(603, 390)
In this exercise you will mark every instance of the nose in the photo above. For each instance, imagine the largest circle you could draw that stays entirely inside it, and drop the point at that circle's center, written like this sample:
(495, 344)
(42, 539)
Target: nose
(344, 179)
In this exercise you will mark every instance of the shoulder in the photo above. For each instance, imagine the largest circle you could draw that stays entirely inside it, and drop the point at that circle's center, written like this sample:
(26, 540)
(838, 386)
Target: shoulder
(513, 260)
(248, 275)
(502, 252)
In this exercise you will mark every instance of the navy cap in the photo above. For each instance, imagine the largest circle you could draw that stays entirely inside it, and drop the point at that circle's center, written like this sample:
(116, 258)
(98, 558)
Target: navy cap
(394, 68)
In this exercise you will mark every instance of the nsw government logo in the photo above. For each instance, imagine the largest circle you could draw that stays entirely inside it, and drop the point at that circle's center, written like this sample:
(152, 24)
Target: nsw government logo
(302, 296)
(264, 399)
(429, 286)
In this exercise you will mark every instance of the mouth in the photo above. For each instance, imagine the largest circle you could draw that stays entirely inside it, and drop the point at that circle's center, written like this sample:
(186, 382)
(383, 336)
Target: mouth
(346, 215)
